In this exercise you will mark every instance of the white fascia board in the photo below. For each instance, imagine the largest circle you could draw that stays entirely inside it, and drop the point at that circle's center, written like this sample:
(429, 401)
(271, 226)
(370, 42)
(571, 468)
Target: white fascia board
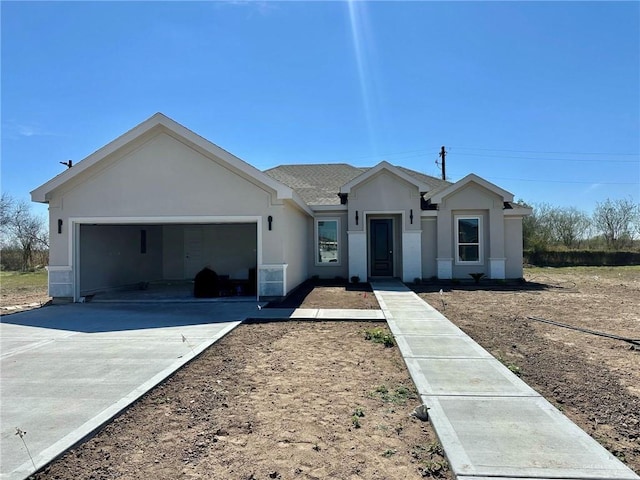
(329, 208)
(284, 192)
(297, 200)
(39, 194)
(518, 212)
(384, 165)
(429, 213)
(159, 121)
(472, 178)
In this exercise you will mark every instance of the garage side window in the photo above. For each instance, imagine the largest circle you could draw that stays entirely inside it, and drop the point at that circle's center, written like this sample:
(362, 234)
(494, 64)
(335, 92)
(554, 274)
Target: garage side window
(327, 243)
(468, 244)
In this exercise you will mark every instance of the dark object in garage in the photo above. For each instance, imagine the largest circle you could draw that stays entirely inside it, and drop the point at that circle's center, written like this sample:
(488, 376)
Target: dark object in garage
(206, 284)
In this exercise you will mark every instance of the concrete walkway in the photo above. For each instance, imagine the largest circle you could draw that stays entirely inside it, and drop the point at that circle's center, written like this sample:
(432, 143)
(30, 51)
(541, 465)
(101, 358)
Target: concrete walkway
(490, 423)
(68, 369)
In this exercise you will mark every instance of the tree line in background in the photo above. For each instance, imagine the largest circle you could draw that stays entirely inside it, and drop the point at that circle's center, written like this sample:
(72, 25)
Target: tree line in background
(24, 236)
(614, 226)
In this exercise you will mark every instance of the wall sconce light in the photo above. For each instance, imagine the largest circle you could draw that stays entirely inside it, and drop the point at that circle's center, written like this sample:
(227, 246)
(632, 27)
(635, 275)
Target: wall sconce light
(270, 220)
(411, 216)
(59, 225)
(357, 217)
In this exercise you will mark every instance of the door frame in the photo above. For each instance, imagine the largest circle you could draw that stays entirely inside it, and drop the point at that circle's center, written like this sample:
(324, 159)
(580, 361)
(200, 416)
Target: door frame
(397, 219)
(73, 225)
(391, 245)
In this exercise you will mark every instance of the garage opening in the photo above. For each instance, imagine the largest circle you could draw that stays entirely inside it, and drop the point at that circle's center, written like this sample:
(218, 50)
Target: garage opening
(160, 261)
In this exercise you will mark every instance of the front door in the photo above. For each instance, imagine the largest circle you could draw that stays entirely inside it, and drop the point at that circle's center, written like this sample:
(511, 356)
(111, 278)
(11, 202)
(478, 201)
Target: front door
(381, 247)
(193, 241)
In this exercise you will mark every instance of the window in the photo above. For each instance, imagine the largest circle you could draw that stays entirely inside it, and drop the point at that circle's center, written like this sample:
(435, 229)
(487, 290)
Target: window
(327, 243)
(468, 243)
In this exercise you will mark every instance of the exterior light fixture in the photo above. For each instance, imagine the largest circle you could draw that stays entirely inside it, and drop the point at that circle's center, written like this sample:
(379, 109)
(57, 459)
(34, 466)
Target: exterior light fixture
(357, 217)
(411, 216)
(270, 220)
(59, 225)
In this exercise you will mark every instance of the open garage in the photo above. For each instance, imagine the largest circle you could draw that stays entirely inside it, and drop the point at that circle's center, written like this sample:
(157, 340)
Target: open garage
(119, 257)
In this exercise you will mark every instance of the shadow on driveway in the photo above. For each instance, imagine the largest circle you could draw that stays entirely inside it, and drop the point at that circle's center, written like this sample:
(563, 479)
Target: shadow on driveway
(112, 317)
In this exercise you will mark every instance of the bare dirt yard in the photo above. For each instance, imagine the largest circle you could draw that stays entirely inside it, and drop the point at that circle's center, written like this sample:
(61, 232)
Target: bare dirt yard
(284, 400)
(595, 381)
(317, 400)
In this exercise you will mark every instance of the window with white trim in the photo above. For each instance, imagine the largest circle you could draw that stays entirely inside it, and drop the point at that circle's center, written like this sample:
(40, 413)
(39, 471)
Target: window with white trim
(327, 242)
(468, 240)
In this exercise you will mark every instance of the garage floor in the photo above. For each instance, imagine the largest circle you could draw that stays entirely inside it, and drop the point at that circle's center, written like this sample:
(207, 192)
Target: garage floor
(162, 292)
(66, 369)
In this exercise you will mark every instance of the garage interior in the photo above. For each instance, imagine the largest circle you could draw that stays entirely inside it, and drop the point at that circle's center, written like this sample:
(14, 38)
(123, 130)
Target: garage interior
(163, 260)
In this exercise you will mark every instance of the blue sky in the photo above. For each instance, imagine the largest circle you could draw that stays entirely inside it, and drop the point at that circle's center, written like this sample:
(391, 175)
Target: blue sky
(541, 98)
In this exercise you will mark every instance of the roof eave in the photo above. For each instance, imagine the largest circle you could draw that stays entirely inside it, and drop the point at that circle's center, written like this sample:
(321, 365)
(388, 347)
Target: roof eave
(472, 178)
(384, 165)
(160, 121)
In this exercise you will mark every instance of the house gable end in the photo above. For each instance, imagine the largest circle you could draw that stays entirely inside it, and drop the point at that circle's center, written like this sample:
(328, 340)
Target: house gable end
(163, 176)
(383, 166)
(150, 128)
(440, 195)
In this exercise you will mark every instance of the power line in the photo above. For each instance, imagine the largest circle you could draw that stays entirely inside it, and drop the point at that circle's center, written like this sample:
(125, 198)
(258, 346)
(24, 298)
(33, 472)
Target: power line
(548, 153)
(546, 159)
(559, 181)
(404, 154)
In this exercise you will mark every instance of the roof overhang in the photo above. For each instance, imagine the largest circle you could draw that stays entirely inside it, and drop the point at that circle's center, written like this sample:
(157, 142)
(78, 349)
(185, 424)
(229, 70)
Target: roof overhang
(471, 178)
(161, 123)
(384, 166)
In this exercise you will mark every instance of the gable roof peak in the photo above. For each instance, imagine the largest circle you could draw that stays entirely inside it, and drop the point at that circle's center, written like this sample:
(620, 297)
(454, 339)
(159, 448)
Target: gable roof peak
(384, 165)
(181, 133)
(438, 195)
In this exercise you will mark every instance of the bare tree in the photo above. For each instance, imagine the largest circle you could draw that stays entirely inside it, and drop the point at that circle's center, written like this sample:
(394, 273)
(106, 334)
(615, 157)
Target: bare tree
(537, 231)
(6, 206)
(615, 220)
(22, 227)
(569, 225)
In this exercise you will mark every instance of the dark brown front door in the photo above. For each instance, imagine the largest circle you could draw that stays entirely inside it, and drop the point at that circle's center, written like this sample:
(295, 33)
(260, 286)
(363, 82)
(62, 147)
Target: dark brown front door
(381, 247)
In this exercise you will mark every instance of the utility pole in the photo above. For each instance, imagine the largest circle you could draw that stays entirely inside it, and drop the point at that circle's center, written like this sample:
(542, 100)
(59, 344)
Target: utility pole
(443, 154)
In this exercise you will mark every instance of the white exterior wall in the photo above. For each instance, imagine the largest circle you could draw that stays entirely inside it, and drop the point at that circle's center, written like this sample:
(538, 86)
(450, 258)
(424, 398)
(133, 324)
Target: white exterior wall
(381, 193)
(429, 247)
(157, 179)
(385, 195)
(513, 247)
(358, 255)
(341, 269)
(411, 256)
(296, 224)
(472, 200)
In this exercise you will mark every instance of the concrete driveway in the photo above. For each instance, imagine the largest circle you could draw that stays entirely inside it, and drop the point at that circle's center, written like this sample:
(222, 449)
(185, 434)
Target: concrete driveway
(67, 369)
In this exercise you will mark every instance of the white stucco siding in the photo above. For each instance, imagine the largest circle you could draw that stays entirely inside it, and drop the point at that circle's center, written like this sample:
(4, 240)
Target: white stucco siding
(296, 241)
(358, 255)
(513, 247)
(429, 247)
(411, 256)
(384, 192)
(329, 270)
(163, 177)
(471, 200)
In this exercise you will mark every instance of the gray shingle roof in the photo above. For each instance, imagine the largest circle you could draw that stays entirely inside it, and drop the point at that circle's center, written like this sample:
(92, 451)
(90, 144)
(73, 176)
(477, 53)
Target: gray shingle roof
(319, 184)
